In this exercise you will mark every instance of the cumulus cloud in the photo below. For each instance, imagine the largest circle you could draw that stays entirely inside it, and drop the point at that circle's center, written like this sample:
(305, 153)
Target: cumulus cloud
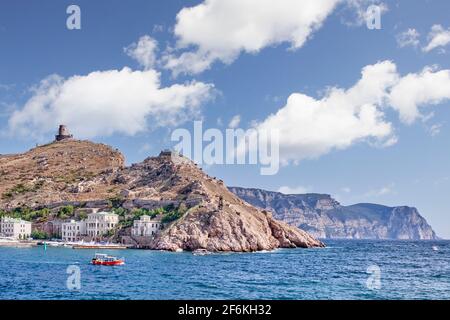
(144, 51)
(408, 38)
(217, 30)
(417, 90)
(310, 127)
(235, 121)
(437, 38)
(106, 102)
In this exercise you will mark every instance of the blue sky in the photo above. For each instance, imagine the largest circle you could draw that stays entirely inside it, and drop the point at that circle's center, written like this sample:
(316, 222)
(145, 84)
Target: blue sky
(414, 171)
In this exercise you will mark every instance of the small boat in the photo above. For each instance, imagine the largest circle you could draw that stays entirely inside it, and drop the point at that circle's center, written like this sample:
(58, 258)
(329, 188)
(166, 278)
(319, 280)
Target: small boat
(105, 260)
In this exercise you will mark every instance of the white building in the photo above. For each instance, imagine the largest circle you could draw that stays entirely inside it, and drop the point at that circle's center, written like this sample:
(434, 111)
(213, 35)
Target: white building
(99, 223)
(15, 228)
(73, 231)
(145, 227)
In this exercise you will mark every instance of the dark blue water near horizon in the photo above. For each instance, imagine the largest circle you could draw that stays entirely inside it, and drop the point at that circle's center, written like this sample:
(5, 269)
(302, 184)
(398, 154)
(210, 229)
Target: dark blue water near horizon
(408, 270)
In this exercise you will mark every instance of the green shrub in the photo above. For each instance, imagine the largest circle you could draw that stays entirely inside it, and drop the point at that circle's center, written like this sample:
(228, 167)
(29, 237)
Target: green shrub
(27, 214)
(82, 215)
(7, 195)
(120, 211)
(171, 216)
(65, 212)
(109, 233)
(126, 223)
(39, 235)
(116, 202)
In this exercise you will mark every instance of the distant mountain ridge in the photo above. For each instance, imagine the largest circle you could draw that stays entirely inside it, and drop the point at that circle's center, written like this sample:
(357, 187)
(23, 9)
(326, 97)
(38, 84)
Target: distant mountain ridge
(324, 217)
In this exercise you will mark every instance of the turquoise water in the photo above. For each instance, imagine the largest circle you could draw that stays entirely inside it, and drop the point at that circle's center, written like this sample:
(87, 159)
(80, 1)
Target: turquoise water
(408, 270)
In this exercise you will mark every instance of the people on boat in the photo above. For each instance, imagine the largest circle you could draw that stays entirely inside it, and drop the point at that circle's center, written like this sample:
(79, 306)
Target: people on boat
(106, 260)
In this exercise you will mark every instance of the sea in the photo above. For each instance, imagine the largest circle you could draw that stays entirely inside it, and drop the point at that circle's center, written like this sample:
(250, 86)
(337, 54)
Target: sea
(345, 269)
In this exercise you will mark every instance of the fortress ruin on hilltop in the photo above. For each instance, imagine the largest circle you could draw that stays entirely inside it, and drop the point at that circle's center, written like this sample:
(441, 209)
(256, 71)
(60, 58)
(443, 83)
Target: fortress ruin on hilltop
(63, 133)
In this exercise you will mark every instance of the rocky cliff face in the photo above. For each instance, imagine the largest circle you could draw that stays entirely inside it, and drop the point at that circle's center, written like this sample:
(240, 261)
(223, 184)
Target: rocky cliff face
(86, 174)
(323, 217)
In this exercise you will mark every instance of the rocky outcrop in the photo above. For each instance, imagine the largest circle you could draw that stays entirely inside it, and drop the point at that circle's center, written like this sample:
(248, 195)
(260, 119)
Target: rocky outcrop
(86, 174)
(238, 227)
(323, 217)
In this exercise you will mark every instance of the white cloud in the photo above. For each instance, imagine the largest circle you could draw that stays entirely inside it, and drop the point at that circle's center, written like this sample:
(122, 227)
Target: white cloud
(295, 190)
(310, 127)
(383, 191)
(441, 180)
(435, 129)
(235, 121)
(346, 190)
(408, 38)
(218, 30)
(106, 102)
(416, 90)
(438, 37)
(144, 51)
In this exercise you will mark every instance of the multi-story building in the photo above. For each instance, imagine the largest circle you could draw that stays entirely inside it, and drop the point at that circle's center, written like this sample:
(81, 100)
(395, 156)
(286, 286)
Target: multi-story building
(15, 228)
(100, 223)
(146, 226)
(54, 228)
(73, 231)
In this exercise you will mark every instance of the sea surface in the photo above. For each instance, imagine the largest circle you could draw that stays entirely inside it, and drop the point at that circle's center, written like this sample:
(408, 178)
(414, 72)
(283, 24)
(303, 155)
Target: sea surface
(343, 270)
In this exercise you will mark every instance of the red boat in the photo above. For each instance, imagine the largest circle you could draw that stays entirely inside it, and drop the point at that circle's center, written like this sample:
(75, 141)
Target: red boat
(105, 260)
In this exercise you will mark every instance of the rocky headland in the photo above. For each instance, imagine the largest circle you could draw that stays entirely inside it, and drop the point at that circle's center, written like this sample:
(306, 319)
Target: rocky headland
(86, 175)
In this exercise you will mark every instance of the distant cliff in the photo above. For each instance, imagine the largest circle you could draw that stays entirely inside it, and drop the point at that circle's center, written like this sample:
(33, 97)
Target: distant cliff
(323, 217)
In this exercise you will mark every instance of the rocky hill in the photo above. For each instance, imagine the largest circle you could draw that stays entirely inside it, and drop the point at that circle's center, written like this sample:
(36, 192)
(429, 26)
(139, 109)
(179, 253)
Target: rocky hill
(324, 217)
(86, 175)
(68, 170)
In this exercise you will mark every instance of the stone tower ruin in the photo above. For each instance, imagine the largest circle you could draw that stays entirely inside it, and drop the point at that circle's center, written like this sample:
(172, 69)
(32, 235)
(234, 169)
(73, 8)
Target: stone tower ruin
(63, 133)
